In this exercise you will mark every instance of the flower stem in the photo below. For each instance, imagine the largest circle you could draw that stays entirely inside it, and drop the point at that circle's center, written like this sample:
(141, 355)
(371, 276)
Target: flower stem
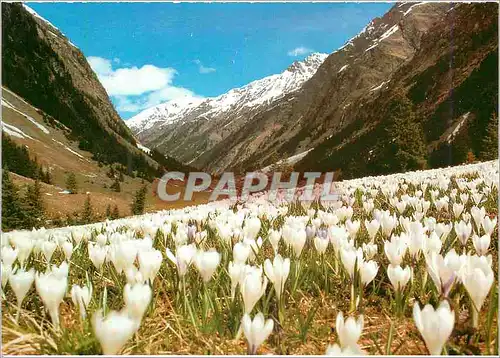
(353, 299)
(18, 312)
(186, 303)
(475, 316)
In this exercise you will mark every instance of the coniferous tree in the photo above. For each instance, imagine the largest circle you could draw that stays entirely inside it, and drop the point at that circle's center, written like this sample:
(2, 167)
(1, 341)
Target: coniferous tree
(111, 172)
(139, 202)
(48, 177)
(12, 213)
(34, 206)
(406, 146)
(71, 183)
(489, 145)
(44, 175)
(17, 158)
(116, 213)
(116, 186)
(87, 213)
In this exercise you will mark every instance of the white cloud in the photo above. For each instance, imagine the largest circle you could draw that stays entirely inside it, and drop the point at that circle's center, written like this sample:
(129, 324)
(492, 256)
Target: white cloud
(100, 65)
(202, 69)
(299, 51)
(133, 88)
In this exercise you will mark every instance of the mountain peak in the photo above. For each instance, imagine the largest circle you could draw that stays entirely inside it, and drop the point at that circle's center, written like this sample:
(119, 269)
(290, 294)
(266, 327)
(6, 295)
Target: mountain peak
(313, 61)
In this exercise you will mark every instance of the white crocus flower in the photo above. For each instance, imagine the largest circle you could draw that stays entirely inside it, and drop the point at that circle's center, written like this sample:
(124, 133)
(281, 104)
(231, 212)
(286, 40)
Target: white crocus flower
(123, 255)
(489, 225)
(206, 262)
(9, 255)
(388, 223)
(457, 209)
(21, 282)
(478, 215)
(183, 258)
(241, 252)
(352, 227)
(463, 231)
(137, 299)
(114, 330)
(321, 244)
(351, 259)
(443, 271)
(48, 248)
(298, 240)
(349, 331)
(372, 228)
(67, 248)
(150, 263)
(398, 276)
(435, 326)
(277, 272)
(432, 243)
(368, 270)
(253, 286)
(235, 270)
(6, 272)
(477, 277)
(97, 254)
(134, 276)
(335, 351)
(256, 331)
(251, 228)
(481, 244)
(443, 230)
(416, 238)
(395, 250)
(274, 239)
(51, 287)
(81, 298)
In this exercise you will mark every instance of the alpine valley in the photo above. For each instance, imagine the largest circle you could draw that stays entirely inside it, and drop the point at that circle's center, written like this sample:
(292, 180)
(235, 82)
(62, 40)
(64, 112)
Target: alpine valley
(331, 112)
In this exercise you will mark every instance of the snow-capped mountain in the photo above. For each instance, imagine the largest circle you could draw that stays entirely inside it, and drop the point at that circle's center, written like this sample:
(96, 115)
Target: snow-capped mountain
(339, 106)
(257, 93)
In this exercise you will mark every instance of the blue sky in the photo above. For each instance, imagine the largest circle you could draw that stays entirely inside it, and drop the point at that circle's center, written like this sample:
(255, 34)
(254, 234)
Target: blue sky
(149, 53)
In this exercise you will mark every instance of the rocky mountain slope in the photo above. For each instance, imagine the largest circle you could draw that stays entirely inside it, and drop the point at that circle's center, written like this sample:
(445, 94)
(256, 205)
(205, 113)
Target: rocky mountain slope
(57, 119)
(189, 128)
(43, 67)
(452, 82)
(325, 104)
(320, 106)
(423, 50)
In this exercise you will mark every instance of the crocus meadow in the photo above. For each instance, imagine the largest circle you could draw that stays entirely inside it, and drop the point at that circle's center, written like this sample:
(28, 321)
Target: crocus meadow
(398, 264)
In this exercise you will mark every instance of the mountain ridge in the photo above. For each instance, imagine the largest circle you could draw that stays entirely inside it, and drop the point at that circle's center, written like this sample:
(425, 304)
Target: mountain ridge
(43, 67)
(298, 70)
(210, 120)
(298, 122)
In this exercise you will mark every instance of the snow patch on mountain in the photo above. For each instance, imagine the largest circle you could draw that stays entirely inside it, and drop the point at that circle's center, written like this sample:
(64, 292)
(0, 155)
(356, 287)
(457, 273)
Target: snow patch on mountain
(36, 15)
(343, 68)
(143, 148)
(411, 7)
(376, 88)
(69, 149)
(14, 131)
(38, 125)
